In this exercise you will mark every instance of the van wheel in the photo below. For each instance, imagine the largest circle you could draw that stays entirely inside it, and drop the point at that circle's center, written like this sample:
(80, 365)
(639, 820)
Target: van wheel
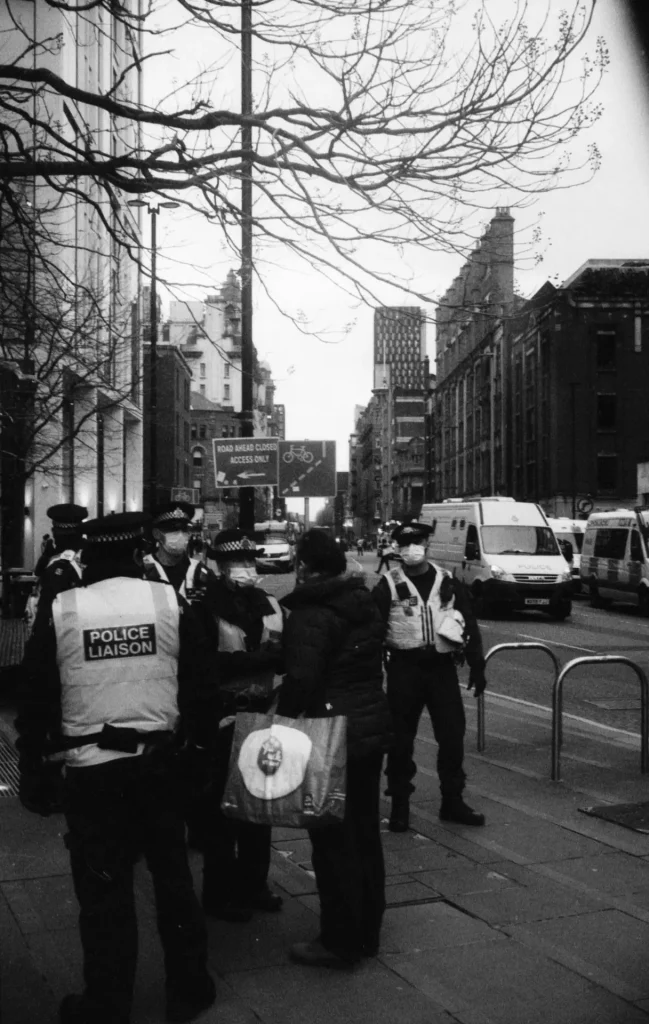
(643, 601)
(595, 600)
(561, 610)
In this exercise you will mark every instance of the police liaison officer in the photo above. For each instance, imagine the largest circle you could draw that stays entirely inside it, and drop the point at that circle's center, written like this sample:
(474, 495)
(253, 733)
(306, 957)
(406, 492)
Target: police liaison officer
(430, 627)
(109, 669)
(237, 853)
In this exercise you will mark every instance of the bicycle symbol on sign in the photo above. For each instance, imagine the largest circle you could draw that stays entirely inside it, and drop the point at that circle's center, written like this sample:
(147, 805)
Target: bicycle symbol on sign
(298, 453)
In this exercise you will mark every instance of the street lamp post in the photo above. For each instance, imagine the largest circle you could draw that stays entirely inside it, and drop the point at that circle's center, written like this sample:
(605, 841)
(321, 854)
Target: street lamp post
(153, 347)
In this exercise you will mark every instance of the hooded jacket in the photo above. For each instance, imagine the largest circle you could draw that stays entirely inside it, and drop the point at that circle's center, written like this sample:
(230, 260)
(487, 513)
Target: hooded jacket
(332, 647)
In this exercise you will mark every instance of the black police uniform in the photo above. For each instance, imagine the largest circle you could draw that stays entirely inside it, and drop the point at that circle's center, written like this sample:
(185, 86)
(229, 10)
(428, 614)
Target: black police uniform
(62, 570)
(422, 677)
(237, 853)
(121, 798)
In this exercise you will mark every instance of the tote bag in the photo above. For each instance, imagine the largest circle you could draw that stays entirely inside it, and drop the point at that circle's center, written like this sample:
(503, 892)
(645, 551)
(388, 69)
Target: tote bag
(287, 772)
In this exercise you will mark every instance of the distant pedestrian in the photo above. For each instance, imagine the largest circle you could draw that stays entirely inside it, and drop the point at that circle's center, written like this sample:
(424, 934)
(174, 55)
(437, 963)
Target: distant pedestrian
(360, 547)
(385, 554)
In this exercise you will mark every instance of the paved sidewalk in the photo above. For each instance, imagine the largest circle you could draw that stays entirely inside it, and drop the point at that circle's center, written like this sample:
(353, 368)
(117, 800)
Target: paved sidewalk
(542, 916)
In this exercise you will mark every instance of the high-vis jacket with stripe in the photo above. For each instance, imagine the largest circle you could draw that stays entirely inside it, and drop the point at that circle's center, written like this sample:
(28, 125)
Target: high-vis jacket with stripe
(117, 652)
(414, 623)
(192, 581)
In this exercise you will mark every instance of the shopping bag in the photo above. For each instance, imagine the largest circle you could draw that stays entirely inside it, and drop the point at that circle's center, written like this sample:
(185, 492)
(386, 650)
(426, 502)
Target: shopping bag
(288, 772)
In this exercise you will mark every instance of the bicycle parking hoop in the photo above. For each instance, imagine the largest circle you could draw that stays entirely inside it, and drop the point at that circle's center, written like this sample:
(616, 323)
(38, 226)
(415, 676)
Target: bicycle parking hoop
(557, 707)
(534, 646)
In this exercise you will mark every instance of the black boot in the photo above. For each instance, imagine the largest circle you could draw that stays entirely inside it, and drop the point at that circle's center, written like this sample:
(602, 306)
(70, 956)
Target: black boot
(400, 814)
(454, 809)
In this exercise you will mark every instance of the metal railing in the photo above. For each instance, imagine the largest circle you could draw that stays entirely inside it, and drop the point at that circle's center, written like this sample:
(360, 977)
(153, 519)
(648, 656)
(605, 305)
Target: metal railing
(536, 646)
(557, 707)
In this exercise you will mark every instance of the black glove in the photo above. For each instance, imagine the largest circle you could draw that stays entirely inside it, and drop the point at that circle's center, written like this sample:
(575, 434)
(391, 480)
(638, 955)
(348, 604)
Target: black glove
(477, 680)
(35, 790)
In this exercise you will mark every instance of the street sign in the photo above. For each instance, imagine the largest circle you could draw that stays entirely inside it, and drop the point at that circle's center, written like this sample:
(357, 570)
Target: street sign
(245, 461)
(188, 494)
(307, 469)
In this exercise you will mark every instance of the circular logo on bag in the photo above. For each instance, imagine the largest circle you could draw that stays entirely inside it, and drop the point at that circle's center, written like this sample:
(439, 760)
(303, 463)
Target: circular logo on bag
(273, 761)
(270, 756)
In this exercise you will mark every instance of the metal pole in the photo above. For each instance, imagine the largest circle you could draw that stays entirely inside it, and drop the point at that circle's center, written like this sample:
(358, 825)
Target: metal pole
(153, 367)
(246, 494)
(306, 513)
(573, 456)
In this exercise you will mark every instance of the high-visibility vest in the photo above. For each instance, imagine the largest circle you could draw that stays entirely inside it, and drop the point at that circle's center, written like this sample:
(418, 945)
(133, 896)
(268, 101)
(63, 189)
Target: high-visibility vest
(415, 623)
(190, 580)
(232, 638)
(117, 652)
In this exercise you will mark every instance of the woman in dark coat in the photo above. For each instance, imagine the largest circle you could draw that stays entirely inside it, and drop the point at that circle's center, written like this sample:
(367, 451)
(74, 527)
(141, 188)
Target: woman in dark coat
(332, 646)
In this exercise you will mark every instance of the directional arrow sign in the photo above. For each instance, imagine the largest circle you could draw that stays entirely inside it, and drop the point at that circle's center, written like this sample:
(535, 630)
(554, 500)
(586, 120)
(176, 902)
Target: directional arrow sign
(245, 461)
(307, 469)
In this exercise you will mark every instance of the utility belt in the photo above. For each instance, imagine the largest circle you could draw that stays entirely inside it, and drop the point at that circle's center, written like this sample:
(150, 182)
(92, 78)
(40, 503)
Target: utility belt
(120, 738)
(421, 655)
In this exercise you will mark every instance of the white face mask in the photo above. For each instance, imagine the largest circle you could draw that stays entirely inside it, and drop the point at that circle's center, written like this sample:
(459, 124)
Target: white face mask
(414, 554)
(175, 543)
(244, 575)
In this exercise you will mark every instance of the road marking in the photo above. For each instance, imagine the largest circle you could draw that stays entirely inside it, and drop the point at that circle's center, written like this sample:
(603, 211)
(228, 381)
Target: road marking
(555, 643)
(573, 718)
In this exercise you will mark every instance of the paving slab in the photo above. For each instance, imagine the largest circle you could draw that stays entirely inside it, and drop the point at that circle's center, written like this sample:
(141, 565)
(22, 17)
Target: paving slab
(546, 900)
(304, 995)
(611, 943)
(431, 926)
(614, 873)
(506, 983)
(468, 878)
(541, 841)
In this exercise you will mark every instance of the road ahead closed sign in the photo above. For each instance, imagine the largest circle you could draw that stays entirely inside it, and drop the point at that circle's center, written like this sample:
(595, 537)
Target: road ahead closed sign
(245, 461)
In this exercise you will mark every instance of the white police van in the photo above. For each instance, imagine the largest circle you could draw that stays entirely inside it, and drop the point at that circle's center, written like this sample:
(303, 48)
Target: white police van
(570, 531)
(614, 563)
(503, 550)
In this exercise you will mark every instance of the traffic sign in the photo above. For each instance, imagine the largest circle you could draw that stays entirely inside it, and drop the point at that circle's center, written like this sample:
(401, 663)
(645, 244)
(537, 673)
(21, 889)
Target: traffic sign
(245, 461)
(307, 469)
(188, 494)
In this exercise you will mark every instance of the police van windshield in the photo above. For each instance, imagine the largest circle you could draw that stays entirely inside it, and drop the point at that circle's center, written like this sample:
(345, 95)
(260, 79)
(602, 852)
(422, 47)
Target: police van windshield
(576, 539)
(519, 540)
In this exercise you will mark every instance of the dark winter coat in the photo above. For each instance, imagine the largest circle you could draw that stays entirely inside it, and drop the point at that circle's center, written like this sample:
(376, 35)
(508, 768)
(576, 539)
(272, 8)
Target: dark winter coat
(332, 649)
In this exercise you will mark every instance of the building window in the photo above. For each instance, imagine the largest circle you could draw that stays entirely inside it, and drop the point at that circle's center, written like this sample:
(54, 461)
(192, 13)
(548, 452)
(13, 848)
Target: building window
(197, 458)
(226, 370)
(178, 438)
(202, 389)
(606, 350)
(226, 392)
(203, 370)
(607, 473)
(606, 412)
(193, 431)
(203, 431)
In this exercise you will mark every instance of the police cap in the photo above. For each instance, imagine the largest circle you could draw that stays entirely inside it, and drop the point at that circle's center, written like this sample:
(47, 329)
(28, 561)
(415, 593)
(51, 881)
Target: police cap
(173, 515)
(411, 533)
(67, 517)
(118, 528)
(234, 545)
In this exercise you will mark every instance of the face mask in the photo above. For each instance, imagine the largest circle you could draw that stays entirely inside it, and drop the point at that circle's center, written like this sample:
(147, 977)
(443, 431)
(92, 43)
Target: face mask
(414, 554)
(175, 543)
(244, 575)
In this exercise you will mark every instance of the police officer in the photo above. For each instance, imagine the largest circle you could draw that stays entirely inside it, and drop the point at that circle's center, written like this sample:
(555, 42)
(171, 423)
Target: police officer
(59, 566)
(109, 670)
(171, 562)
(237, 854)
(191, 579)
(430, 627)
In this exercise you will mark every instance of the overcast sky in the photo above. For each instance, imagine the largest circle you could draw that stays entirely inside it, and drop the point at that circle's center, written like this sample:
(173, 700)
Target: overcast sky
(607, 218)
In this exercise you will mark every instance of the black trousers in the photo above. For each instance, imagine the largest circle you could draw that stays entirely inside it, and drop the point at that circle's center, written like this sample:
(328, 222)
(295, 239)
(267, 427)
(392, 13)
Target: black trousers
(384, 560)
(115, 812)
(411, 688)
(236, 853)
(348, 865)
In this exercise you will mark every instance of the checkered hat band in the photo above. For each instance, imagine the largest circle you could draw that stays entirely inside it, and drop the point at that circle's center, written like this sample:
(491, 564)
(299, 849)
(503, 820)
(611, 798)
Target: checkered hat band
(176, 513)
(67, 526)
(232, 546)
(112, 538)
